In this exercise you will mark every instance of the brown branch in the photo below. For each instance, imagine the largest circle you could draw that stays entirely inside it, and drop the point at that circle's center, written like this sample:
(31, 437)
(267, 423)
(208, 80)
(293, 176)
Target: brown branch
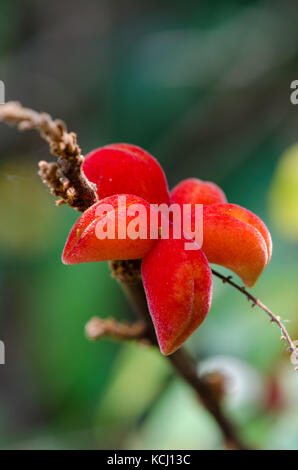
(273, 318)
(186, 368)
(180, 360)
(184, 365)
(98, 328)
(64, 178)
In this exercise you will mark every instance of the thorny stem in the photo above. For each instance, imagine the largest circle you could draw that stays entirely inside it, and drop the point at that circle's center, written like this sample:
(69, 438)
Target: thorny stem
(255, 301)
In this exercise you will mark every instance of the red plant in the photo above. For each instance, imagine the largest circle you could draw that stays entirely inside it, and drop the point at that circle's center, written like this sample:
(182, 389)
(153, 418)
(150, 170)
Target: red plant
(177, 281)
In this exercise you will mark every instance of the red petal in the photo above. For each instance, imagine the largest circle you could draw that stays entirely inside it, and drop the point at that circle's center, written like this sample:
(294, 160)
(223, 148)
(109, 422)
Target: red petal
(126, 169)
(83, 244)
(236, 239)
(178, 286)
(195, 191)
(246, 216)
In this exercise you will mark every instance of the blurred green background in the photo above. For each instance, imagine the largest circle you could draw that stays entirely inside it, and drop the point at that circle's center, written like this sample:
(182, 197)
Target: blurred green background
(205, 87)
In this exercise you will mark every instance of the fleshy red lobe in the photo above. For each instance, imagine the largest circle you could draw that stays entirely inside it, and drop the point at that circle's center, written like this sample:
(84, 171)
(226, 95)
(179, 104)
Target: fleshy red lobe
(236, 239)
(249, 217)
(178, 286)
(196, 191)
(126, 169)
(84, 245)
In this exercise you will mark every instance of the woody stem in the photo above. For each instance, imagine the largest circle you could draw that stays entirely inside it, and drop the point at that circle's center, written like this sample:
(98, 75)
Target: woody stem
(128, 275)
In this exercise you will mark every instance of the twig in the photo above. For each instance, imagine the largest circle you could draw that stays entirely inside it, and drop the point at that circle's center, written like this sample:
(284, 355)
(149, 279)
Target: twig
(180, 360)
(98, 328)
(64, 178)
(255, 301)
(184, 365)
